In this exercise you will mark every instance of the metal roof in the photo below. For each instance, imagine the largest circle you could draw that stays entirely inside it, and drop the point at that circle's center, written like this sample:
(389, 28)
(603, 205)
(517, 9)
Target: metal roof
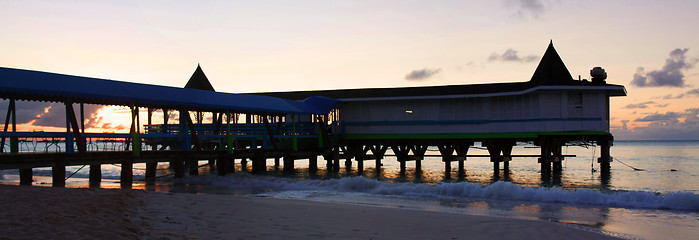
(43, 86)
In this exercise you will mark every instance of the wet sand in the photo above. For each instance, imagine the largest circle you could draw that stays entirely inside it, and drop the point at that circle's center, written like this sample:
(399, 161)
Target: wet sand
(42, 213)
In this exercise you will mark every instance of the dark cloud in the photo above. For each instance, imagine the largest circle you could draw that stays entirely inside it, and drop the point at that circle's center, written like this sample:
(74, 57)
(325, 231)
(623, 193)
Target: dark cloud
(660, 117)
(693, 92)
(639, 105)
(49, 114)
(671, 75)
(422, 74)
(670, 96)
(683, 125)
(26, 111)
(624, 126)
(527, 8)
(56, 116)
(511, 55)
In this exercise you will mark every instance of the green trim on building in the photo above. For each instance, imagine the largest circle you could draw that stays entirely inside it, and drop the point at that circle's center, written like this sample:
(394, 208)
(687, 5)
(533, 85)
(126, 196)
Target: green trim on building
(448, 136)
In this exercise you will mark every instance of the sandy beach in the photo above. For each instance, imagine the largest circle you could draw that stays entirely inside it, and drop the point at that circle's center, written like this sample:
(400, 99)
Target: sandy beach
(55, 213)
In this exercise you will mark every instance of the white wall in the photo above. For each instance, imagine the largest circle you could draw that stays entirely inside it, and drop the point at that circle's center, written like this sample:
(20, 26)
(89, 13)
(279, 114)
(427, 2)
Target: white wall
(534, 112)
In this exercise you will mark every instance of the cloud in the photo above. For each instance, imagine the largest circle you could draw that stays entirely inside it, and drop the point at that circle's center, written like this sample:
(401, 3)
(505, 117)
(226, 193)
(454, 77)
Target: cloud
(670, 96)
(48, 114)
(660, 117)
(671, 75)
(527, 8)
(511, 55)
(693, 92)
(683, 125)
(422, 74)
(638, 105)
(26, 111)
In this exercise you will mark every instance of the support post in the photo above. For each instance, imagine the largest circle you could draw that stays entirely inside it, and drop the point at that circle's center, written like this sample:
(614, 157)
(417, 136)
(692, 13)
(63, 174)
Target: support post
(151, 167)
(259, 165)
(545, 160)
(69, 137)
(378, 151)
(447, 152)
(26, 175)
(419, 153)
(288, 164)
(294, 138)
(127, 172)
(313, 163)
(221, 167)
(334, 164)
(461, 152)
(178, 167)
(507, 156)
(401, 152)
(243, 164)
(73, 123)
(95, 175)
(557, 159)
(193, 166)
(59, 173)
(494, 149)
(605, 156)
(229, 163)
(360, 163)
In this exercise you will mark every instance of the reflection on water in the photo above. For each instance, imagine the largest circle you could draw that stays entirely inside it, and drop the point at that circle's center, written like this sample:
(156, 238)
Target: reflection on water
(657, 160)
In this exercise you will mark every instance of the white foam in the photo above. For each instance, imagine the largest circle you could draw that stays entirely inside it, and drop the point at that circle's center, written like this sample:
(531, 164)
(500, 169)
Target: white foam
(499, 190)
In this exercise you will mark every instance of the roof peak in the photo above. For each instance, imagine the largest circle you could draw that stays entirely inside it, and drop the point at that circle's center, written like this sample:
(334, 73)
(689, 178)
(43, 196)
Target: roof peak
(551, 69)
(198, 80)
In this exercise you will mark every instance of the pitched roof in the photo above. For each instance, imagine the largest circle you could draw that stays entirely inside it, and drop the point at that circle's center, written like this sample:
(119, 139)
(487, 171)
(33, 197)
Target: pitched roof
(199, 81)
(550, 72)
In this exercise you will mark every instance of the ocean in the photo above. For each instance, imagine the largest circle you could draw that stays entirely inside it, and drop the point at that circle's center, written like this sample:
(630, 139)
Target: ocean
(652, 191)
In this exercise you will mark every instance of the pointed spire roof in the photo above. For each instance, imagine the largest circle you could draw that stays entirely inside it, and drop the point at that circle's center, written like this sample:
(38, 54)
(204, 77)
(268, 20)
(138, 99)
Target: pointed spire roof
(199, 81)
(552, 70)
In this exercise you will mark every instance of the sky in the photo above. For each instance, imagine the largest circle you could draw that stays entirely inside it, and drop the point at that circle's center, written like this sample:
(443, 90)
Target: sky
(650, 47)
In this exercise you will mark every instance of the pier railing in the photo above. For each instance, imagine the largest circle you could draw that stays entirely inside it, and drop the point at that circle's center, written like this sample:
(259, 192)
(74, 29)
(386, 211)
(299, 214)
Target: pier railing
(168, 137)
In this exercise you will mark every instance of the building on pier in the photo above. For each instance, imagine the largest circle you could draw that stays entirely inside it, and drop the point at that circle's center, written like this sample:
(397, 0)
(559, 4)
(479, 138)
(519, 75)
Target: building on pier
(550, 109)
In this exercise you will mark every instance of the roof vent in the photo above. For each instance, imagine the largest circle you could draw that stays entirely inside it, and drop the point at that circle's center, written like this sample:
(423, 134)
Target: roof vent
(598, 75)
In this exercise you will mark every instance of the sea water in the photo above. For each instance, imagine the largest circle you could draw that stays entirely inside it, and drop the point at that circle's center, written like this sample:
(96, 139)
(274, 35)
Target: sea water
(651, 193)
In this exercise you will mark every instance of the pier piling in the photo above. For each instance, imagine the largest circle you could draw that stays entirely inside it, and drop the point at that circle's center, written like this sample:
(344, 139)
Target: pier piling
(26, 176)
(95, 175)
(151, 166)
(313, 163)
(259, 165)
(59, 173)
(288, 164)
(178, 167)
(126, 171)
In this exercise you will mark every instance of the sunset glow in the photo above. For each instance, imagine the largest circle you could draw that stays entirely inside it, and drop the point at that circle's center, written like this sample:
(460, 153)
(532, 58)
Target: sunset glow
(250, 46)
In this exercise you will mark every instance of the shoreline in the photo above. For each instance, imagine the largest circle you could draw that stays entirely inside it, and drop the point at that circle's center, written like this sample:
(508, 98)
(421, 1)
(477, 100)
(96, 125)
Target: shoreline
(136, 214)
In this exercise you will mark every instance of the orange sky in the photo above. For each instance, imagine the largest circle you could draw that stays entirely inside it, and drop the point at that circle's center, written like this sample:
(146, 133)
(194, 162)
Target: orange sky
(255, 46)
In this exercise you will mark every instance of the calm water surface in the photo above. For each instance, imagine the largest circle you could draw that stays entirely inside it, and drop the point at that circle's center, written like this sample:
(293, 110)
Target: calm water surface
(652, 192)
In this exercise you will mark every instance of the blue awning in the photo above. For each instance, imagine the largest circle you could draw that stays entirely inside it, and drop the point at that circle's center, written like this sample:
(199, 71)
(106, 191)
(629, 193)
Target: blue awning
(43, 86)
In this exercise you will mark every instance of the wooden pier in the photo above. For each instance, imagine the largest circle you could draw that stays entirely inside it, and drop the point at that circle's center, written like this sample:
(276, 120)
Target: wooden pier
(551, 110)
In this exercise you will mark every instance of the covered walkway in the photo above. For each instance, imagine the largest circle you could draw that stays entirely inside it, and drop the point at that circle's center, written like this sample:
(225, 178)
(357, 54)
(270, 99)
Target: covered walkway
(270, 127)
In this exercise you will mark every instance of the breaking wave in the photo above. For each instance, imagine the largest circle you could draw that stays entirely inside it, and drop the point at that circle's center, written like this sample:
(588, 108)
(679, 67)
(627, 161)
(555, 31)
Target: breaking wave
(499, 190)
